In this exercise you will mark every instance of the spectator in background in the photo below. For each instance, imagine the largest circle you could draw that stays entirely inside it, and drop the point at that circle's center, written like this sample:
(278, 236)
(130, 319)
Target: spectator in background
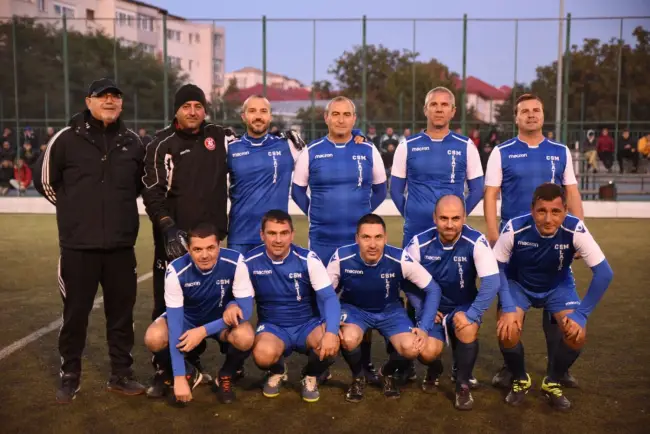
(144, 137)
(643, 146)
(6, 175)
(406, 133)
(390, 134)
(485, 150)
(373, 137)
(7, 152)
(387, 157)
(476, 138)
(458, 131)
(274, 130)
(550, 135)
(22, 177)
(48, 136)
(589, 149)
(605, 148)
(7, 135)
(627, 151)
(29, 154)
(29, 137)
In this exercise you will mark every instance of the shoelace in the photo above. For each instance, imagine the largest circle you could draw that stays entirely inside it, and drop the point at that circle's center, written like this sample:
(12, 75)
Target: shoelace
(519, 385)
(554, 388)
(225, 383)
(274, 379)
(310, 383)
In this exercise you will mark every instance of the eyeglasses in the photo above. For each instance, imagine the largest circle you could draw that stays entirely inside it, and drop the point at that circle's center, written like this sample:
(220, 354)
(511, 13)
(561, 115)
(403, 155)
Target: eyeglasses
(104, 96)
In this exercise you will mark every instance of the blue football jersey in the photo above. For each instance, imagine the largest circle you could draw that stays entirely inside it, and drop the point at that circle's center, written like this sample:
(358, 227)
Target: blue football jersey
(454, 267)
(432, 169)
(540, 263)
(285, 291)
(518, 169)
(373, 287)
(340, 179)
(204, 295)
(260, 178)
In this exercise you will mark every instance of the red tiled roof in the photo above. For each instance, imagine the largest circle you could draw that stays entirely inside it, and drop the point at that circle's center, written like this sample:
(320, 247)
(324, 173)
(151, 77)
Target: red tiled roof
(272, 93)
(476, 86)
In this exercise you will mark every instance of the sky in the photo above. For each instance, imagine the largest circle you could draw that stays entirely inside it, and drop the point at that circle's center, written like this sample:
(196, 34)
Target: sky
(490, 44)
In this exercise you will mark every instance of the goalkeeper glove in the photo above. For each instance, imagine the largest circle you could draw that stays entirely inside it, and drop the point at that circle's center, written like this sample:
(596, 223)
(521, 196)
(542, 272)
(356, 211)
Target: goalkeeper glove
(175, 240)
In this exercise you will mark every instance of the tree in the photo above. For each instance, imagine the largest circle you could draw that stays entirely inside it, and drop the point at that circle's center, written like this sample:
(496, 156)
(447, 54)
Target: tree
(90, 56)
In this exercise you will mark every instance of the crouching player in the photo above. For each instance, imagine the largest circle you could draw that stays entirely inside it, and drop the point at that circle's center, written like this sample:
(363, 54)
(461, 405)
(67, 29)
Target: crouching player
(297, 307)
(454, 254)
(369, 275)
(201, 287)
(538, 249)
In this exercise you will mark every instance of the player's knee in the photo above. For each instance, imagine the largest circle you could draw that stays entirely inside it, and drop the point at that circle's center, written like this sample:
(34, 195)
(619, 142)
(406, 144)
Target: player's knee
(510, 342)
(242, 337)
(155, 338)
(432, 350)
(265, 354)
(468, 334)
(578, 342)
(351, 339)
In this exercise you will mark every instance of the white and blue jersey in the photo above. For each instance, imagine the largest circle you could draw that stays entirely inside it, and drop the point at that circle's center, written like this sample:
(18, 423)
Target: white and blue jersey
(370, 292)
(519, 168)
(260, 178)
(196, 298)
(433, 168)
(340, 179)
(539, 267)
(455, 268)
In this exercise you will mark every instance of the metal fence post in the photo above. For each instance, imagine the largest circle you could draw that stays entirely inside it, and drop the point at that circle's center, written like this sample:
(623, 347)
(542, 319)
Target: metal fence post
(514, 85)
(115, 49)
(165, 66)
(565, 90)
(463, 116)
(618, 88)
(313, 83)
(264, 55)
(16, 101)
(413, 82)
(66, 72)
(364, 76)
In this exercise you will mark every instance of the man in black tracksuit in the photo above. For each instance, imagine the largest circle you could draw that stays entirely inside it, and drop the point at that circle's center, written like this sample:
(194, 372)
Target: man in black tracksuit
(91, 171)
(185, 184)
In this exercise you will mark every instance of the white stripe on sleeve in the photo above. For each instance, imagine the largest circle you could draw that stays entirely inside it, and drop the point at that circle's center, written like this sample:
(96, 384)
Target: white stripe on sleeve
(474, 167)
(414, 271)
(493, 171)
(399, 160)
(503, 246)
(588, 248)
(413, 249)
(569, 177)
(173, 289)
(241, 285)
(301, 171)
(317, 273)
(484, 259)
(378, 169)
(334, 269)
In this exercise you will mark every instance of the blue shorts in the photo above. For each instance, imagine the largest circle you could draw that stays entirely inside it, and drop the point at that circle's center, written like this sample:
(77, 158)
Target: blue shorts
(324, 252)
(391, 321)
(242, 248)
(562, 297)
(223, 345)
(294, 338)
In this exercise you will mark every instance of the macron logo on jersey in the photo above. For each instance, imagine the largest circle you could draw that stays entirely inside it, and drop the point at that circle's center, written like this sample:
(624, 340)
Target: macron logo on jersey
(419, 148)
(324, 156)
(527, 243)
(518, 156)
(262, 272)
(353, 271)
(190, 284)
(240, 154)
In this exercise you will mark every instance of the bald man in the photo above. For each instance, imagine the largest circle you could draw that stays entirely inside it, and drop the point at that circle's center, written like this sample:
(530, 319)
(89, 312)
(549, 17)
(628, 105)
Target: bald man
(454, 254)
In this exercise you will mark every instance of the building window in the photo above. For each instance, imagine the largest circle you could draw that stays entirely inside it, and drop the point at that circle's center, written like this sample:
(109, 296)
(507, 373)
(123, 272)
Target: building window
(145, 22)
(90, 15)
(217, 66)
(197, 38)
(189, 65)
(191, 38)
(174, 61)
(125, 19)
(41, 5)
(217, 40)
(173, 35)
(63, 10)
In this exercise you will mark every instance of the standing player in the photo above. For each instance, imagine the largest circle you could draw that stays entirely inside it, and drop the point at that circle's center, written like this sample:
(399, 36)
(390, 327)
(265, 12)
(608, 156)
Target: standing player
(186, 184)
(538, 250)
(368, 275)
(346, 182)
(432, 164)
(455, 254)
(297, 307)
(201, 287)
(260, 167)
(515, 168)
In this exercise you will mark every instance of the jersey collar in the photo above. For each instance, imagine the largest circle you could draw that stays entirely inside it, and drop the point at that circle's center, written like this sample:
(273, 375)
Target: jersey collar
(529, 145)
(280, 262)
(424, 133)
(206, 273)
(255, 142)
(546, 236)
(339, 145)
(451, 246)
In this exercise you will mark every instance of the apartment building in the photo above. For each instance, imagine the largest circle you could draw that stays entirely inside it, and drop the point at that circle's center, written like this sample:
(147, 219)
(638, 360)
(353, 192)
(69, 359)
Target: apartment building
(249, 77)
(197, 48)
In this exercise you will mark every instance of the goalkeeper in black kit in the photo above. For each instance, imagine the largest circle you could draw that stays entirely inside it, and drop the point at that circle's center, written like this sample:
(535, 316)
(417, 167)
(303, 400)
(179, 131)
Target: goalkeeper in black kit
(185, 183)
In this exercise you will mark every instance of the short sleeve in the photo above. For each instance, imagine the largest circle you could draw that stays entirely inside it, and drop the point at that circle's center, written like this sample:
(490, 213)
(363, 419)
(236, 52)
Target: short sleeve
(173, 289)
(484, 260)
(334, 269)
(242, 286)
(378, 169)
(585, 244)
(413, 249)
(474, 167)
(399, 160)
(569, 177)
(317, 273)
(301, 171)
(414, 271)
(493, 172)
(505, 243)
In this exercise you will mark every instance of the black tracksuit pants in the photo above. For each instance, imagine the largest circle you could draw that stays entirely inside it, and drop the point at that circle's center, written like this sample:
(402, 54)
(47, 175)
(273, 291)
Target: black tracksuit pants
(159, 267)
(80, 274)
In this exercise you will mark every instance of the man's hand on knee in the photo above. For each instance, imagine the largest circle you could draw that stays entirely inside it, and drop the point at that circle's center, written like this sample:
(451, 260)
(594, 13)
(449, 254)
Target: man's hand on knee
(420, 339)
(509, 326)
(191, 339)
(573, 332)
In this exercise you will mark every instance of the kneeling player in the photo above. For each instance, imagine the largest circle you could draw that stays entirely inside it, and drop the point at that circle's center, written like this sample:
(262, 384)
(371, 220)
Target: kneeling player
(538, 250)
(454, 254)
(368, 275)
(297, 307)
(201, 286)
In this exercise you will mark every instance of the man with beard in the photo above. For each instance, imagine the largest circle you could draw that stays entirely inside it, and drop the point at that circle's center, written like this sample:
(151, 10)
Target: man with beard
(186, 184)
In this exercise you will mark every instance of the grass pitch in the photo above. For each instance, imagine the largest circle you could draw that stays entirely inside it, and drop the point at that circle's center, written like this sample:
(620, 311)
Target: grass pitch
(614, 369)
